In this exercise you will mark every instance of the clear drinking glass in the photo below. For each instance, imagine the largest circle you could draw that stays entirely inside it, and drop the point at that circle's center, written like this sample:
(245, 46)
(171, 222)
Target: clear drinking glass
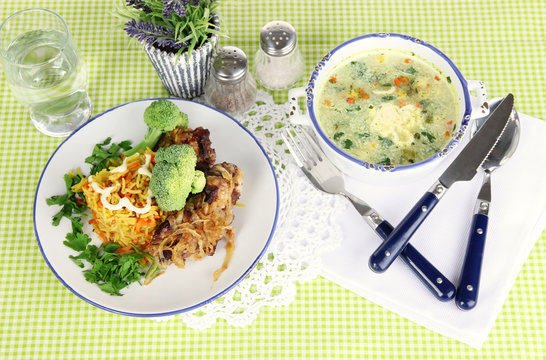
(45, 71)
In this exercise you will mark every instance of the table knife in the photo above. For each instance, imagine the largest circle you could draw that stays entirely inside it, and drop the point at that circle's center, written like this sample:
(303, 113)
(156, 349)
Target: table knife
(463, 168)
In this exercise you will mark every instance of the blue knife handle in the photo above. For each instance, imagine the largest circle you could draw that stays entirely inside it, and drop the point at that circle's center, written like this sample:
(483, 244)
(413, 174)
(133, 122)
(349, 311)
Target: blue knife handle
(387, 252)
(467, 292)
(431, 277)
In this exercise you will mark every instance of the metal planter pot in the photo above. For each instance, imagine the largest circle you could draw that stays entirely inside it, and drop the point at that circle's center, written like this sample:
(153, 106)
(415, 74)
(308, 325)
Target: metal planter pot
(182, 78)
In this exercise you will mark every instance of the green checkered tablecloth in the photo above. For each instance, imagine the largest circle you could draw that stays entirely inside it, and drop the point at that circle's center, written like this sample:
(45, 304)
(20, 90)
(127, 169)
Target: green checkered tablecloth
(501, 42)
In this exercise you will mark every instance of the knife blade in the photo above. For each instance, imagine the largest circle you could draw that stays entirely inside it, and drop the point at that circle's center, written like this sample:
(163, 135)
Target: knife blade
(463, 168)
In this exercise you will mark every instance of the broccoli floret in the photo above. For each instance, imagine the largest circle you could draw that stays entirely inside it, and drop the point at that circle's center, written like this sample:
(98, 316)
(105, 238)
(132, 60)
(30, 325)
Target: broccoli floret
(165, 115)
(174, 177)
(199, 182)
(160, 116)
(176, 154)
(169, 187)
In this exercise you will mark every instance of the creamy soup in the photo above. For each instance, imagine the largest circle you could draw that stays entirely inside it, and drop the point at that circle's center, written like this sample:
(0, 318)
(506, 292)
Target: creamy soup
(388, 107)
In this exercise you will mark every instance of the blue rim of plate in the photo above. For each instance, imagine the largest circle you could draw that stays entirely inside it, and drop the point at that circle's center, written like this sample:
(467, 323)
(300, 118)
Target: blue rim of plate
(173, 312)
(390, 168)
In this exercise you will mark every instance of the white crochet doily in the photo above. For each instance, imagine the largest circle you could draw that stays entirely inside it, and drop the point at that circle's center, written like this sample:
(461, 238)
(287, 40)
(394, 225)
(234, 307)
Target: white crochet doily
(307, 227)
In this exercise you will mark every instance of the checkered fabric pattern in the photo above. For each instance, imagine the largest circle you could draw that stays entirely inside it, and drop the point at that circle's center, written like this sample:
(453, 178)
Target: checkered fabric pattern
(499, 41)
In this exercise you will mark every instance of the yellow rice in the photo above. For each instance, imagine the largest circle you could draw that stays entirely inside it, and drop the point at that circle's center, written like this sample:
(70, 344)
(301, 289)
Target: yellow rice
(123, 226)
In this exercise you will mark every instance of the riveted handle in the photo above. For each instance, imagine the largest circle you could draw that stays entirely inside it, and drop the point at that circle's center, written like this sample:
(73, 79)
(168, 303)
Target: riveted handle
(387, 252)
(467, 292)
(432, 278)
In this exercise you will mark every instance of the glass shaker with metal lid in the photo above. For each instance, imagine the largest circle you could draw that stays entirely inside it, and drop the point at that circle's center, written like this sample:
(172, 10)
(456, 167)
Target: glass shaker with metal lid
(231, 88)
(278, 64)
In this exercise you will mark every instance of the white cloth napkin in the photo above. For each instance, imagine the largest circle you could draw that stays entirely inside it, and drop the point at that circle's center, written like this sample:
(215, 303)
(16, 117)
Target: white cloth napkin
(516, 220)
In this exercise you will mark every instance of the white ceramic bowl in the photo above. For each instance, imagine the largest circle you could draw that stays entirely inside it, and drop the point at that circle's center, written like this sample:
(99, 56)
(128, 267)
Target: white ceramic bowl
(375, 173)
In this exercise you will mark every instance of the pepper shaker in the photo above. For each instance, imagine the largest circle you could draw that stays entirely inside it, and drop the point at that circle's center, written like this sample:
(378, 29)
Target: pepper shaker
(231, 88)
(278, 64)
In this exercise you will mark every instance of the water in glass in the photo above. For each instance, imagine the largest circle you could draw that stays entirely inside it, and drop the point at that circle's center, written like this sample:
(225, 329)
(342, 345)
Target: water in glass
(46, 73)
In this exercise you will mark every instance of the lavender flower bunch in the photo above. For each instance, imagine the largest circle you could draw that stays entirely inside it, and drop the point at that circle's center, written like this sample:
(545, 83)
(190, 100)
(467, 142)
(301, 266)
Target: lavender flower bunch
(170, 25)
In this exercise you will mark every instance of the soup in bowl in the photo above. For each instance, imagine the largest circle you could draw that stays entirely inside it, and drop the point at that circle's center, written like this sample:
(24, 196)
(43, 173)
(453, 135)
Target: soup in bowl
(386, 105)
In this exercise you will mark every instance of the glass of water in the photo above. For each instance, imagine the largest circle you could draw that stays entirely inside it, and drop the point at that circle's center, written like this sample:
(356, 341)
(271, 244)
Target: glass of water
(45, 71)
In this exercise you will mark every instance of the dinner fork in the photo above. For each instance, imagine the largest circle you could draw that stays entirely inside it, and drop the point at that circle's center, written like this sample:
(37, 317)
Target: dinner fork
(325, 176)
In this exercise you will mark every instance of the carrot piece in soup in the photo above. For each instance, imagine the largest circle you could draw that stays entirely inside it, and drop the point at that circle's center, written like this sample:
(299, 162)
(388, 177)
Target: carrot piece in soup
(363, 93)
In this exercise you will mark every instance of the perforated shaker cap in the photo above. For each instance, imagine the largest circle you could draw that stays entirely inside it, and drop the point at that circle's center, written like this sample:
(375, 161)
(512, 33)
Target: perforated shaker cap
(278, 38)
(230, 64)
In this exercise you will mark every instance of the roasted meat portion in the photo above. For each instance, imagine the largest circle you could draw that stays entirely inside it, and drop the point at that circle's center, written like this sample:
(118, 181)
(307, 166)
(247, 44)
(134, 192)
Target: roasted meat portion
(198, 139)
(194, 231)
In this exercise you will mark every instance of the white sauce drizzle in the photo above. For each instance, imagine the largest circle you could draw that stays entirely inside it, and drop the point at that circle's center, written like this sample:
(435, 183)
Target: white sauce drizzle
(124, 202)
(121, 168)
(144, 169)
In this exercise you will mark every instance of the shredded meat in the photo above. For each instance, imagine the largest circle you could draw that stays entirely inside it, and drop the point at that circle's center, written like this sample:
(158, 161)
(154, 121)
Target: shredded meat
(194, 231)
(198, 139)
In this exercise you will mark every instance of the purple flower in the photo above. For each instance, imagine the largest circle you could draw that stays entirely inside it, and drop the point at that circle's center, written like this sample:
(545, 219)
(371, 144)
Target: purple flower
(139, 4)
(156, 35)
(178, 6)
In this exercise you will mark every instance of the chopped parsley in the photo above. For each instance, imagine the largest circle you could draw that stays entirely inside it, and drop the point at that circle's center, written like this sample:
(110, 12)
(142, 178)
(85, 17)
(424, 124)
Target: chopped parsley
(347, 144)
(385, 141)
(101, 155)
(110, 270)
(72, 203)
(428, 135)
(353, 108)
(411, 70)
(359, 68)
(376, 77)
(363, 135)
(338, 135)
(425, 103)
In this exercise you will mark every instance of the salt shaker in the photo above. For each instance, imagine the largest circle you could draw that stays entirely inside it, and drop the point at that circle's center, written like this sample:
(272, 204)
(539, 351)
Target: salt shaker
(231, 88)
(278, 64)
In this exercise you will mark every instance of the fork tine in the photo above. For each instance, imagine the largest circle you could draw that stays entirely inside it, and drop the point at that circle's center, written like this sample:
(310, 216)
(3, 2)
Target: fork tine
(294, 149)
(307, 149)
(312, 143)
(303, 143)
(326, 177)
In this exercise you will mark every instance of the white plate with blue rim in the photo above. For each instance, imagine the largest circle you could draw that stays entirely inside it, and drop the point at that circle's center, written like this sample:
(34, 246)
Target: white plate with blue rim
(177, 290)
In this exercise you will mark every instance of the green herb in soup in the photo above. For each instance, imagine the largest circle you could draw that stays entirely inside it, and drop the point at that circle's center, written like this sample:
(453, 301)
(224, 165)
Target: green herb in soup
(388, 107)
